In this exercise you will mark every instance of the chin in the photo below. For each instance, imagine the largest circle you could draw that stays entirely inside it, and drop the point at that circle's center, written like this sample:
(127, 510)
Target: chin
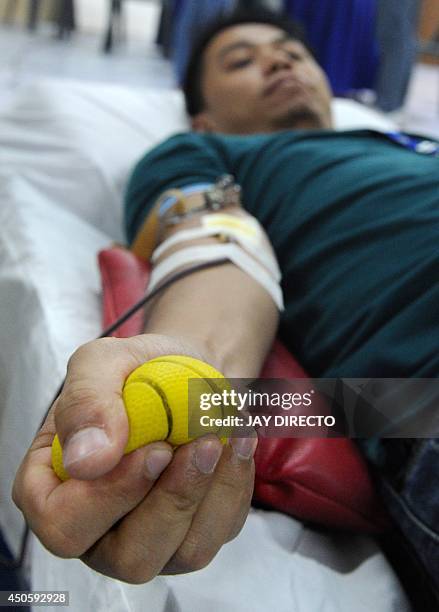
(299, 118)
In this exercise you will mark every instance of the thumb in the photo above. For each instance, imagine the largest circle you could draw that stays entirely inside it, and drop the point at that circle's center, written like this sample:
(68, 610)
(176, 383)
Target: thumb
(90, 417)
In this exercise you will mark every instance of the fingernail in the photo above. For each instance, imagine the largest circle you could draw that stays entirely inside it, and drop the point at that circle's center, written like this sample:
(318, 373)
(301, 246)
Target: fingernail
(244, 448)
(207, 454)
(156, 461)
(84, 443)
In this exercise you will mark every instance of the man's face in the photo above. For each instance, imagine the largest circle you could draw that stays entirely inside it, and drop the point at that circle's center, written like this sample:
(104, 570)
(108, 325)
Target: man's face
(256, 79)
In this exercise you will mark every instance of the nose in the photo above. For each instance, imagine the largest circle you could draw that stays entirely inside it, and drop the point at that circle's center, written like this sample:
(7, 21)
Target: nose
(273, 59)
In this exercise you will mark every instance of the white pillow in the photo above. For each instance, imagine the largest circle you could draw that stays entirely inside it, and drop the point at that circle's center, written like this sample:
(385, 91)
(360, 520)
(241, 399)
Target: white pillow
(351, 115)
(76, 143)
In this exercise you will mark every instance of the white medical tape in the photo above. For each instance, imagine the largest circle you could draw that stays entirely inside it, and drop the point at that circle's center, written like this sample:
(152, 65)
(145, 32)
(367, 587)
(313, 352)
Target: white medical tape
(210, 252)
(256, 247)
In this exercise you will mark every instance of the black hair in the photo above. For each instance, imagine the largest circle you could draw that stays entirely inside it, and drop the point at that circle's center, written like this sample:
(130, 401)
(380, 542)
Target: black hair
(191, 85)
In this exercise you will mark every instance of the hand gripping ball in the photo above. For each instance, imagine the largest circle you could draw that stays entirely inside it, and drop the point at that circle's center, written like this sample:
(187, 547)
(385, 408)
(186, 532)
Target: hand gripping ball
(156, 398)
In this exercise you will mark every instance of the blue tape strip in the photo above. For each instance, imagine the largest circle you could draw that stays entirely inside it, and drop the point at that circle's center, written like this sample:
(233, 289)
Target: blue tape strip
(423, 146)
(188, 190)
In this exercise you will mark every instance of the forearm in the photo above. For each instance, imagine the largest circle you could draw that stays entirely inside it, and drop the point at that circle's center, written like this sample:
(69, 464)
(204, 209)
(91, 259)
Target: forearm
(224, 314)
(222, 311)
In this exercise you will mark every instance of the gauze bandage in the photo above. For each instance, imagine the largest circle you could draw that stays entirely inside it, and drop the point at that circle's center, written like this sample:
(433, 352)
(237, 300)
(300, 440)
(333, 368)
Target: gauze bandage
(247, 232)
(245, 247)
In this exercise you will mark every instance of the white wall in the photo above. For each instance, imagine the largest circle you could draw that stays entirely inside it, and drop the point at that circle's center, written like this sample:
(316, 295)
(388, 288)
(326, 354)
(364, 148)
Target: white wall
(141, 16)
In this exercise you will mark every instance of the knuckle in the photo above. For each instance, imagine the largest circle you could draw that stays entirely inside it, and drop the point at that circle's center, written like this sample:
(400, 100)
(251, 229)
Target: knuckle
(60, 547)
(92, 349)
(239, 488)
(47, 526)
(234, 533)
(57, 542)
(16, 492)
(182, 502)
(191, 557)
(82, 403)
(43, 439)
(22, 493)
(78, 355)
(244, 502)
(129, 569)
(135, 348)
(77, 395)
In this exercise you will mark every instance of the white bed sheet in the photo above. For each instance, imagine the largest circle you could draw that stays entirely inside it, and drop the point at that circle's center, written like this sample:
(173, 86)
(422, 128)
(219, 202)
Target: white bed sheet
(274, 564)
(66, 150)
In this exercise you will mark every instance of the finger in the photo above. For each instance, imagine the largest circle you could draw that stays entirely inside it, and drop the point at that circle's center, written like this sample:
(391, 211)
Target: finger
(223, 511)
(163, 518)
(90, 417)
(70, 517)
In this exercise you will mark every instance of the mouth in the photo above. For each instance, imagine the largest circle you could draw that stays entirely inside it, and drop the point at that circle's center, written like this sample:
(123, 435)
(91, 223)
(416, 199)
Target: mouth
(281, 82)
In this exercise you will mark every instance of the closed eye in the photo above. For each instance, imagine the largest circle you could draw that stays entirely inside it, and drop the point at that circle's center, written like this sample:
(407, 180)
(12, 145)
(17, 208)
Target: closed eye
(294, 55)
(239, 63)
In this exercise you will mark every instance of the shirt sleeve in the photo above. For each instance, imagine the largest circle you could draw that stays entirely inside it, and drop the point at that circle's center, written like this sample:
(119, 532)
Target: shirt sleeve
(182, 160)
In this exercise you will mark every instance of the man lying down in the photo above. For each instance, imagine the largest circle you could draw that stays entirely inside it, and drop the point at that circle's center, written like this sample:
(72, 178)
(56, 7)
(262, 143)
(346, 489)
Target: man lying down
(353, 220)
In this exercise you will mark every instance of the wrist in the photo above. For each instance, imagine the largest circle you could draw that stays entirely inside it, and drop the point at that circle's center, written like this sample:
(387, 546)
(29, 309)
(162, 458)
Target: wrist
(226, 357)
(154, 343)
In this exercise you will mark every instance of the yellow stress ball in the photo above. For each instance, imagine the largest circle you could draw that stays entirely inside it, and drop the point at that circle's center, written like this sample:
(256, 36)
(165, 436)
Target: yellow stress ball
(156, 398)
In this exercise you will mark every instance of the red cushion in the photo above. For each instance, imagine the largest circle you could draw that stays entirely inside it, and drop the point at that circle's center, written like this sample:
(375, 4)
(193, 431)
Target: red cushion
(124, 280)
(323, 480)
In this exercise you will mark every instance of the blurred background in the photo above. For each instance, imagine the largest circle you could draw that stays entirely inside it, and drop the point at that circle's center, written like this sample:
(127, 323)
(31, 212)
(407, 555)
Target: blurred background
(384, 53)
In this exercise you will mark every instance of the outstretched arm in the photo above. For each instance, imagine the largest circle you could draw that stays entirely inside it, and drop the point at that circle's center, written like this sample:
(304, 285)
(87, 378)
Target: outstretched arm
(157, 510)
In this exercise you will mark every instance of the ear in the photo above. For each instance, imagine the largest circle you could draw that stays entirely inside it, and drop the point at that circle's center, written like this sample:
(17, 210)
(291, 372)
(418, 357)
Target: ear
(202, 123)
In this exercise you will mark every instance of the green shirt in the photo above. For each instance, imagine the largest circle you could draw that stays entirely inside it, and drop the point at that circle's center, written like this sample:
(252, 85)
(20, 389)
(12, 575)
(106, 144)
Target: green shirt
(354, 221)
